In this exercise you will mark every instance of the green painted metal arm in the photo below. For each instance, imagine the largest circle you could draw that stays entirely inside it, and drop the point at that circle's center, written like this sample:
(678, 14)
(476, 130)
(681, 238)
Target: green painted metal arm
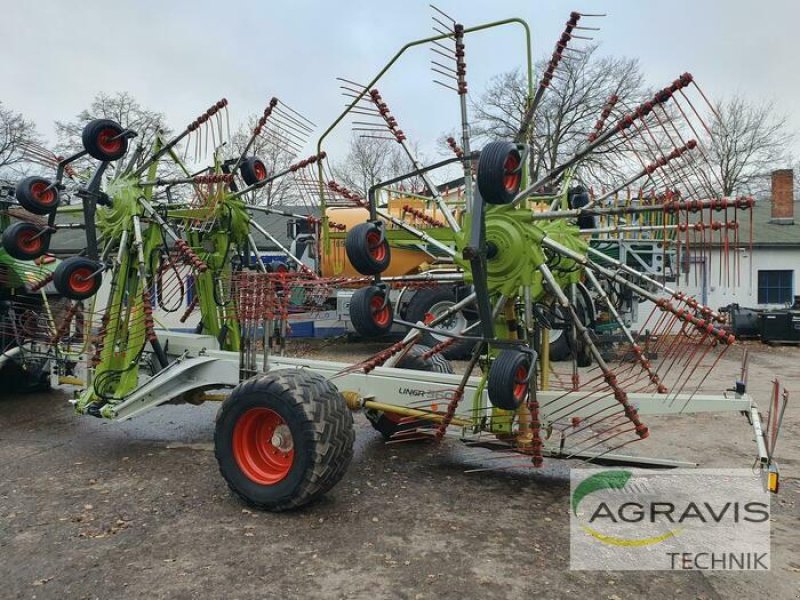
(392, 61)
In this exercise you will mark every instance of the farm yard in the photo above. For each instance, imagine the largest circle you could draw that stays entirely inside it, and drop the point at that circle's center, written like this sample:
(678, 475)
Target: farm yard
(138, 509)
(418, 319)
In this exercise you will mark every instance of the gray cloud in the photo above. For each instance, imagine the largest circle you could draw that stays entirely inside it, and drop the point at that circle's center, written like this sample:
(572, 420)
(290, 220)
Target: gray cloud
(178, 57)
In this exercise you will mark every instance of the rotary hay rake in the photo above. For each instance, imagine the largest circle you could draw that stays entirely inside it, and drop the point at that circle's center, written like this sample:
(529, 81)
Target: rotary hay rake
(28, 317)
(520, 251)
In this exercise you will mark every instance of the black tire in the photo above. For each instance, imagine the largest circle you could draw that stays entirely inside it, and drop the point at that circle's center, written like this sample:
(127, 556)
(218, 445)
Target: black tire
(100, 139)
(507, 384)
(579, 349)
(437, 300)
(578, 198)
(312, 411)
(367, 248)
(77, 278)
(35, 195)
(559, 345)
(499, 172)
(253, 170)
(371, 312)
(562, 341)
(583, 356)
(25, 241)
(388, 424)
(15, 378)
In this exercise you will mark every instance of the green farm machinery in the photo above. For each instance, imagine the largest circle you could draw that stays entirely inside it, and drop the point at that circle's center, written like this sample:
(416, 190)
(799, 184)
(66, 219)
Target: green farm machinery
(174, 304)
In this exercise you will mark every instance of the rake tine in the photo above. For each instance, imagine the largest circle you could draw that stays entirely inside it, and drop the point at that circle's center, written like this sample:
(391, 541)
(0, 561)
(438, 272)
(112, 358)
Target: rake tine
(444, 14)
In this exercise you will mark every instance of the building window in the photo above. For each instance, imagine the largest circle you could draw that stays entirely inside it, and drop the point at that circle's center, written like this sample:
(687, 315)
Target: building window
(775, 287)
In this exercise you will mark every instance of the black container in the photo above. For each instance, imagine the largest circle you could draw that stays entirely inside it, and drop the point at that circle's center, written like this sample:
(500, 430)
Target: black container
(780, 326)
(745, 322)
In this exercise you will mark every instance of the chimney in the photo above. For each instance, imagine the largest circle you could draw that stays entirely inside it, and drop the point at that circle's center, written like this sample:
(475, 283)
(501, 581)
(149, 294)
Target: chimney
(783, 197)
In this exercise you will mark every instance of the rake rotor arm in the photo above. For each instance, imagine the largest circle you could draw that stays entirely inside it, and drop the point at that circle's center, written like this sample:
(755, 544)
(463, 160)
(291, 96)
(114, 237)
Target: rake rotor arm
(666, 305)
(256, 131)
(670, 207)
(659, 301)
(704, 324)
(624, 123)
(419, 170)
(274, 211)
(608, 375)
(194, 125)
(640, 358)
(649, 280)
(645, 172)
(544, 83)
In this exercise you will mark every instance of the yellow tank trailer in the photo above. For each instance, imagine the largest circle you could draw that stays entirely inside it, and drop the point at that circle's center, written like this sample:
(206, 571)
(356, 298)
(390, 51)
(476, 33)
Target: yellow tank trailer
(409, 255)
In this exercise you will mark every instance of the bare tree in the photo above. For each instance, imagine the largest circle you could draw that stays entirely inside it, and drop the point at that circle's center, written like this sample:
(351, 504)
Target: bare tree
(373, 160)
(15, 133)
(745, 144)
(567, 113)
(121, 107)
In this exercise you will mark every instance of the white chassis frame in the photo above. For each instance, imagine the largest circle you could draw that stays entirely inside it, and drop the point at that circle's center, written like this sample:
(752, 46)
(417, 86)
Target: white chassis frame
(198, 366)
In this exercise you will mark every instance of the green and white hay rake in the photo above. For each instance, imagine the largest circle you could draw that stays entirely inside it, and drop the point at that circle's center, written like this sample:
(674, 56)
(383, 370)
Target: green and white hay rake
(519, 250)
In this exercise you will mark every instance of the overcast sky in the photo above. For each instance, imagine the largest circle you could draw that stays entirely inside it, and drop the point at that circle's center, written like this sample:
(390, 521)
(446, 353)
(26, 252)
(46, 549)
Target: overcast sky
(179, 57)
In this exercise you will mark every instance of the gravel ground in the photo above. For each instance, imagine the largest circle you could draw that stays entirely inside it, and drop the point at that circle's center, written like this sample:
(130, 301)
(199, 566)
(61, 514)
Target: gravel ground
(90, 509)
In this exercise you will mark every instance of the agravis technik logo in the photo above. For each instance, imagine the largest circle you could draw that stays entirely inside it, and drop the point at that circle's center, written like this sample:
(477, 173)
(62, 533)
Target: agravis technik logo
(680, 519)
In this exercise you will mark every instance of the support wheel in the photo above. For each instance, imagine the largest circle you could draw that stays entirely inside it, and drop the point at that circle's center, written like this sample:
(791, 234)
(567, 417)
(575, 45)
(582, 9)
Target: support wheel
(25, 241)
(507, 384)
(367, 248)
(253, 170)
(371, 312)
(499, 172)
(35, 195)
(101, 139)
(435, 301)
(283, 439)
(77, 278)
(389, 424)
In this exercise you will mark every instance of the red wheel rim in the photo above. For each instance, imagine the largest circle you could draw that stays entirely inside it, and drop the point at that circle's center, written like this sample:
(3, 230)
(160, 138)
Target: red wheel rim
(520, 383)
(512, 175)
(81, 281)
(377, 247)
(263, 446)
(42, 194)
(28, 242)
(381, 313)
(260, 170)
(106, 141)
(394, 418)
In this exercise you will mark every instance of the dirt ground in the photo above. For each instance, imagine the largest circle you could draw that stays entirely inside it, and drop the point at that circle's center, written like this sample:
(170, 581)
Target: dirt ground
(90, 509)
